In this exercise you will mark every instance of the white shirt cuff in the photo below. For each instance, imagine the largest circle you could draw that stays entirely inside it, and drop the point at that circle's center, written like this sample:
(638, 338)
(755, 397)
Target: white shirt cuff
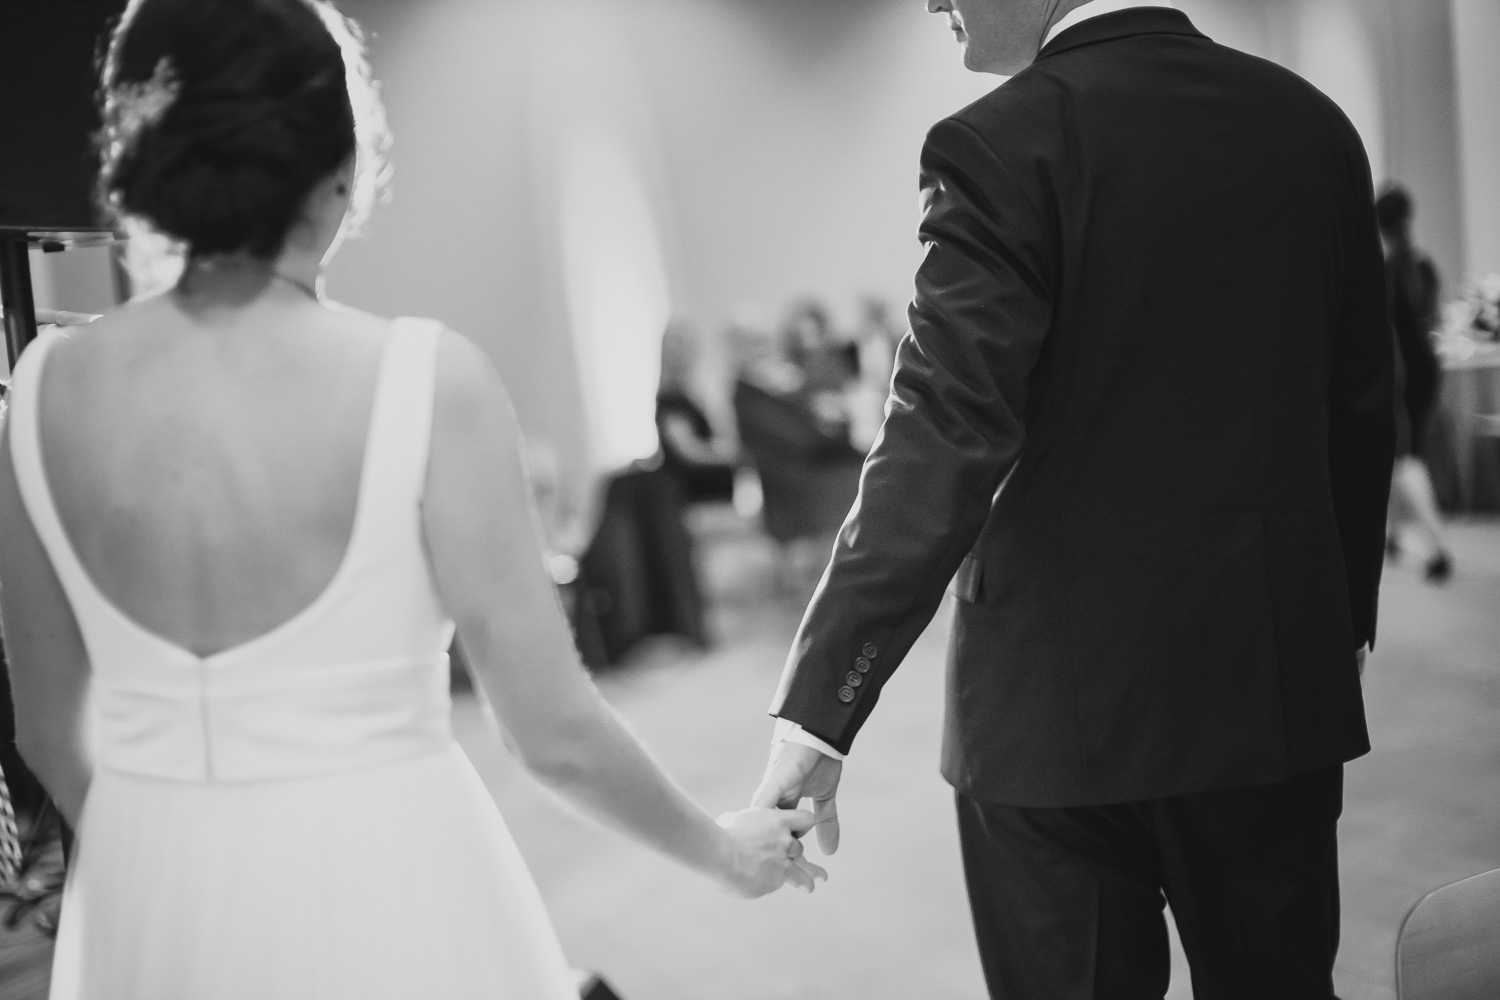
(788, 731)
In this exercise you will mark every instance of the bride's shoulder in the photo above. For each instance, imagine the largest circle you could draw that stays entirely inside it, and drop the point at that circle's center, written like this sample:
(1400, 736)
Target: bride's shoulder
(339, 318)
(469, 395)
(464, 370)
(72, 343)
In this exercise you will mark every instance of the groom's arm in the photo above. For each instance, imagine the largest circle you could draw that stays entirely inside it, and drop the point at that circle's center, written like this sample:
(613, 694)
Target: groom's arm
(953, 428)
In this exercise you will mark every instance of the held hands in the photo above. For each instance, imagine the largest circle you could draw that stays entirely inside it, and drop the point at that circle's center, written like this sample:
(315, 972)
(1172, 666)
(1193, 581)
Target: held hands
(768, 852)
(796, 772)
(765, 852)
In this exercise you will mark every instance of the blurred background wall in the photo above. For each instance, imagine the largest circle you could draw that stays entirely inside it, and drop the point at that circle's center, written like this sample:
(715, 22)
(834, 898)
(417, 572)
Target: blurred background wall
(773, 144)
(567, 175)
(1476, 32)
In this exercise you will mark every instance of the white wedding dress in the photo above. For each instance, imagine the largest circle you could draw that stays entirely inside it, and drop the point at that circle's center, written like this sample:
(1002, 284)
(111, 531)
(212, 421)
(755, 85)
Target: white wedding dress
(290, 819)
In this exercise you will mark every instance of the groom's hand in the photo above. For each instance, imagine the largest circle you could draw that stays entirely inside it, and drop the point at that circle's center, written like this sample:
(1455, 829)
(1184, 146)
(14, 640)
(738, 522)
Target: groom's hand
(796, 772)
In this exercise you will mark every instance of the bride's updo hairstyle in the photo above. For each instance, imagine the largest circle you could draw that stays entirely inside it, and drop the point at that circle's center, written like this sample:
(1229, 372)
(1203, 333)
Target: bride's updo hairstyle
(220, 116)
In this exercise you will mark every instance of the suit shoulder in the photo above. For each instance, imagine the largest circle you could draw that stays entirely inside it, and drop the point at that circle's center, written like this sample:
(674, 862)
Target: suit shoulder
(1011, 115)
(1013, 102)
(1287, 86)
(1288, 91)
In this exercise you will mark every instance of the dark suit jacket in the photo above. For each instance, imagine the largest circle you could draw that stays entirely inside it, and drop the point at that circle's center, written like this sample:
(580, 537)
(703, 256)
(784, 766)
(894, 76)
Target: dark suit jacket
(1152, 307)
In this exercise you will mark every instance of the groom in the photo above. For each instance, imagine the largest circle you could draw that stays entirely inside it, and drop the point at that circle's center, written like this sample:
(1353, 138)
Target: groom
(1143, 423)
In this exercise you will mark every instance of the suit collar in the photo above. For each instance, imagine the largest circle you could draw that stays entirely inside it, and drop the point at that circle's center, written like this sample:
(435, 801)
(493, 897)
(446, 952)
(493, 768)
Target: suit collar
(1121, 24)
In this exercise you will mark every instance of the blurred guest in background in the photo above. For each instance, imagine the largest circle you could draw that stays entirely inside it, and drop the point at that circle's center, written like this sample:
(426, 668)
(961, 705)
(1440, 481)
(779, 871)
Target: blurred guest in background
(1412, 291)
(809, 471)
(792, 387)
(828, 368)
(808, 341)
(703, 463)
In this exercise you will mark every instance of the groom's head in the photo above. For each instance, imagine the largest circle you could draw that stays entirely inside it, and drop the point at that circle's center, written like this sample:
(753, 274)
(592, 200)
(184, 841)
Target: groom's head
(1001, 36)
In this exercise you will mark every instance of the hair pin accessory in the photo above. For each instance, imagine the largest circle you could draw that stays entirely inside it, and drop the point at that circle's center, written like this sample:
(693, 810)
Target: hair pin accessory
(134, 107)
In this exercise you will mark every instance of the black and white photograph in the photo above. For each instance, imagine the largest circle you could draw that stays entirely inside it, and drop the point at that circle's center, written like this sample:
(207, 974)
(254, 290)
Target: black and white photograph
(750, 500)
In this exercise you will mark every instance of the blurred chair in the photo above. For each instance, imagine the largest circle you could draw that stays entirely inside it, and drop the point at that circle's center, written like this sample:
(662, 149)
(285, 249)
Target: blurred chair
(809, 476)
(1440, 451)
(1449, 945)
(1486, 459)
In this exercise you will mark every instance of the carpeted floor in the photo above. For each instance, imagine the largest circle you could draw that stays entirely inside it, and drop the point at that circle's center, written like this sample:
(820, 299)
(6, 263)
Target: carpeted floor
(1423, 809)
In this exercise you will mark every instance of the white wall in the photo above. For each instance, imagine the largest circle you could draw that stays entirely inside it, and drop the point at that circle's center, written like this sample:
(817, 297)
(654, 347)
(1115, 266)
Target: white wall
(775, 141)
(1476, 33)
(1421, 123)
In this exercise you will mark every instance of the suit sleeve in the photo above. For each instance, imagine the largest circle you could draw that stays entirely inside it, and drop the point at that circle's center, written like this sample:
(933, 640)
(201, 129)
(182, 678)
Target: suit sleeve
(954, 426)
(1361, 428)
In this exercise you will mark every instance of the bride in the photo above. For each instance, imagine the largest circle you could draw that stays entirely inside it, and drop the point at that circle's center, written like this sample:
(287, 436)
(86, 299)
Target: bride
(238, 527)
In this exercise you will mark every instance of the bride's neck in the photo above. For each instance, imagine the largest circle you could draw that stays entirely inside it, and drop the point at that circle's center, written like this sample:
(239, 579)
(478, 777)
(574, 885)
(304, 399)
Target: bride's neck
(301, 266)
(237, 280)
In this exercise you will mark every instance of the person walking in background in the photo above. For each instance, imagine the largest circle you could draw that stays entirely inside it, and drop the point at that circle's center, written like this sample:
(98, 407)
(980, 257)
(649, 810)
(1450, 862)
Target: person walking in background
(238, 526)
(1412, 290)
(1143, 422)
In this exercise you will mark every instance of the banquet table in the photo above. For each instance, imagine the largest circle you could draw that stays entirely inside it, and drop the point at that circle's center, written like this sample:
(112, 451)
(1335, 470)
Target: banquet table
(1467, 465)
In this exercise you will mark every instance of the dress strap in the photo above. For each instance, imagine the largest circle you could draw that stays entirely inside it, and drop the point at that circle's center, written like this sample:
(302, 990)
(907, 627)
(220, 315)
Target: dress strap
(31, 474)
(401, 431)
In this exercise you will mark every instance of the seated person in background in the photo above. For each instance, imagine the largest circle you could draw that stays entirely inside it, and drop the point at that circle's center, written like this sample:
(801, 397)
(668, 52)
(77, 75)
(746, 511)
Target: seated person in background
(797, 415)
(830, 369)
(704, 465)
(808, 342)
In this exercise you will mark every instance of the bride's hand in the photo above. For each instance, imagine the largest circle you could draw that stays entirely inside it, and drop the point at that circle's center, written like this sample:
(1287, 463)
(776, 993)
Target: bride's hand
(765, 853)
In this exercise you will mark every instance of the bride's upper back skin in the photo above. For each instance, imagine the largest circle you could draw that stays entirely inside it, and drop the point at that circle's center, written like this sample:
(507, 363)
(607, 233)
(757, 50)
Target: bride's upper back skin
(206, 462)
(204, 446)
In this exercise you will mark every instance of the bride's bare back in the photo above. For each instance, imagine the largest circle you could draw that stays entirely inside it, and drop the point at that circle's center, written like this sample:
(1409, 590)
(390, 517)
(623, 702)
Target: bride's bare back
(206, 466)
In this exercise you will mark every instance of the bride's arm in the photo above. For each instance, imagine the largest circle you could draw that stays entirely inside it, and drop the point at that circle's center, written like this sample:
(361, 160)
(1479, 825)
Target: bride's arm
(49, 668)
(489, 565)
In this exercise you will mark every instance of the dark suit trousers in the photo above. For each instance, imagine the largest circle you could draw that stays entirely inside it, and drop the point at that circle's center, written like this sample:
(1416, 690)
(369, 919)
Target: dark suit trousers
(1067, 903)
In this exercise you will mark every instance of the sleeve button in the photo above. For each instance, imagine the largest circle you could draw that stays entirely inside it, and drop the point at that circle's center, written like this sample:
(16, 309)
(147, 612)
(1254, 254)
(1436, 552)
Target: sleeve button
(846, 694)
(870, 651)
(855, 680)
(862, 665)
